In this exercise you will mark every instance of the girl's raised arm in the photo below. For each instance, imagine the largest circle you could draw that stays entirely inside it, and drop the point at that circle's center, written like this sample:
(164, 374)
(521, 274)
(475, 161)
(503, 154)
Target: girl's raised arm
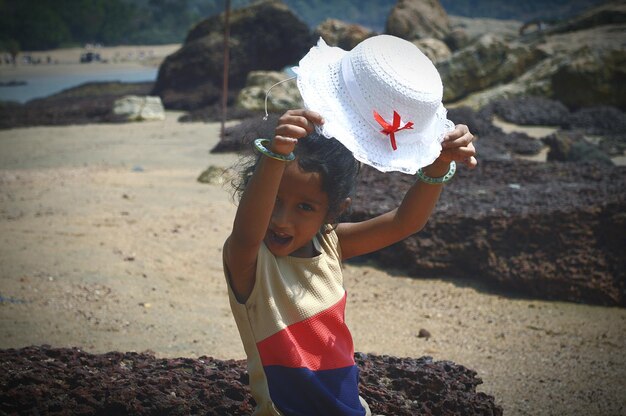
(257, 202)
(417, 205)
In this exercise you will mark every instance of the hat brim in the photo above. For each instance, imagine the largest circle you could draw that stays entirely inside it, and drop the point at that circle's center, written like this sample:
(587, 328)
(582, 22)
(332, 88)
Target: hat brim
(323, 90)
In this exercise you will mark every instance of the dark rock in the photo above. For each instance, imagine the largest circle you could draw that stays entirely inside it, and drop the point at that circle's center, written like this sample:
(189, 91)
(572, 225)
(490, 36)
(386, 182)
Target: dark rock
(521, 143)
(457, 39)
(545, 230)
(239, 138)
(423, 333)
(489, 61)
(492, 143)
(597, 120)
(608, 13)
(607, 123)
(529, 110)
(263, 36)
(86, 103)
(480, 123)
(407, 386)
(504, 146)
(213, 113)
(342, 34)
(571, 146)
(601, 72)
(64, 381)
(412, 19)
(489, 149)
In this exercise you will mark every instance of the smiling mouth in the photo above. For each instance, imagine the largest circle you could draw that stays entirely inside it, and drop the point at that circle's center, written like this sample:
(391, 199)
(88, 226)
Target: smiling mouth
(279, 238)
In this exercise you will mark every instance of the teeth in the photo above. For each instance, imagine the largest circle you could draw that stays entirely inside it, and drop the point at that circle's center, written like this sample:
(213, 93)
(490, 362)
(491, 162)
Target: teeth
(280, 238)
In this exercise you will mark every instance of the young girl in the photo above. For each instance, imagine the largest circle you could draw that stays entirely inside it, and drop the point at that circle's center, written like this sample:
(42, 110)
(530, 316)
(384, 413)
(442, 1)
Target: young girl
(283, 259)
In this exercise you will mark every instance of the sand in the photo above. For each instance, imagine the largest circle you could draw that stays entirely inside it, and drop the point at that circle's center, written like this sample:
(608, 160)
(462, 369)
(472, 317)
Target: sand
(151, 55)
(108, 242)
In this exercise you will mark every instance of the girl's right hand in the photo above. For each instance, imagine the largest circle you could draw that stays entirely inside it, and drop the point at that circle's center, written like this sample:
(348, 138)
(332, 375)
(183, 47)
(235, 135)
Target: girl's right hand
(294, 125)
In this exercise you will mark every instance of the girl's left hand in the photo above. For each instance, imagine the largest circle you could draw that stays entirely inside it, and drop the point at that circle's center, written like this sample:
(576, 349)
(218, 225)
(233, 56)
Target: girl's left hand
(457, 145)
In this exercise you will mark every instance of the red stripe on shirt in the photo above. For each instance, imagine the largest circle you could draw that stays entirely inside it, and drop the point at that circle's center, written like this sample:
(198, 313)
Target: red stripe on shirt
(321, 342)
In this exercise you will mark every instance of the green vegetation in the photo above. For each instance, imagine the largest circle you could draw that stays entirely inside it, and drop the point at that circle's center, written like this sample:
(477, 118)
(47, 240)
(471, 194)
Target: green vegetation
(46, 24)
(43, 24)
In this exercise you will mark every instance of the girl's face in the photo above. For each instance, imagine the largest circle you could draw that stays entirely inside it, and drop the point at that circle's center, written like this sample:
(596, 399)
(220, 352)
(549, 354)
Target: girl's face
(300, 210)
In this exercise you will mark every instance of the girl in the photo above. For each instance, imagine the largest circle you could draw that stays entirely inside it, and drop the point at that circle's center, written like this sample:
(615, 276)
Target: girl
(282, 260)
(283, 264)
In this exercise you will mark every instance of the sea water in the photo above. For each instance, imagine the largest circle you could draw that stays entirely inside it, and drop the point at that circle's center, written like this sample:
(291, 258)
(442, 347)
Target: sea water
(44, 83)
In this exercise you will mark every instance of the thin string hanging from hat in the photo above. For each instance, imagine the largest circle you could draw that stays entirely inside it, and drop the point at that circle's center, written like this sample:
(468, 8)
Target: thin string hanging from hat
(267, 94)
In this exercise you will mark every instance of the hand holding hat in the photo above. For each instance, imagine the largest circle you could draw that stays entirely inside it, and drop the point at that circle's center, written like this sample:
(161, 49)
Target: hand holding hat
(457, 146)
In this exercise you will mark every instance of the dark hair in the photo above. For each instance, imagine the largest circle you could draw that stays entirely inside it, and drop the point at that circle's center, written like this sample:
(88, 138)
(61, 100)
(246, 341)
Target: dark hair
(328, 157)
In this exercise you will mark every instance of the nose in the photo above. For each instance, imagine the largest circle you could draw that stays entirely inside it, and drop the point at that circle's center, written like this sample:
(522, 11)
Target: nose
(280, 216)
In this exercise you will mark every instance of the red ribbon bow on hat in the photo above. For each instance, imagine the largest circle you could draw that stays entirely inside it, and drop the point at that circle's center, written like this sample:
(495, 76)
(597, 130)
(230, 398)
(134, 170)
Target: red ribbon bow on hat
(391, 129)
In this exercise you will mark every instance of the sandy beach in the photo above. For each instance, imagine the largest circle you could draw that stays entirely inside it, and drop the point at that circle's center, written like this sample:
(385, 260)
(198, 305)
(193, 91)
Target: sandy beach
(108, 242)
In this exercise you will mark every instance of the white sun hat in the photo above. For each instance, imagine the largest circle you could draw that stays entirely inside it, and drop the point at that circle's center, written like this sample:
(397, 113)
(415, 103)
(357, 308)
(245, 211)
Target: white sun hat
(382, 100)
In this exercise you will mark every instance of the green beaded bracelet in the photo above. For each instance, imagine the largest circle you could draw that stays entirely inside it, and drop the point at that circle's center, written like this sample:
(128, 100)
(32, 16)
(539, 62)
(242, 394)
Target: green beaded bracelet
(438, 181)
(260, 145)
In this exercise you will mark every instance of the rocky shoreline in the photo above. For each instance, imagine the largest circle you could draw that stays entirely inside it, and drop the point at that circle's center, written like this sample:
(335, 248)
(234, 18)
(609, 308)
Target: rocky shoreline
(87, 103)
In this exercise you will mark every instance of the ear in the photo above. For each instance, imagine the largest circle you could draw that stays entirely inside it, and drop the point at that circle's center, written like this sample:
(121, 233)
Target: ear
(332, 216)
(344, 206)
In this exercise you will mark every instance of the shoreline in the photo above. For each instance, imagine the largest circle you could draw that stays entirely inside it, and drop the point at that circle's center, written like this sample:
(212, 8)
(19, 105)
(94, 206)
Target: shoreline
(61, 69)
(146, 54)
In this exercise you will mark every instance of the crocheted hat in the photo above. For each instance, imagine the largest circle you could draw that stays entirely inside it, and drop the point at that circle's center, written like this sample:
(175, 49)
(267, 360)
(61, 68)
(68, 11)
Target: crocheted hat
(382, 100)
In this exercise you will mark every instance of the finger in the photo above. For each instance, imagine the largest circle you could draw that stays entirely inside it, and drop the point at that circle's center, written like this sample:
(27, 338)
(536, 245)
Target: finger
(312, 116)
(471, 162)
(461, 141)
(459, 130)
(459, 154)
(282, 140)
(293, 131)
(296, 121)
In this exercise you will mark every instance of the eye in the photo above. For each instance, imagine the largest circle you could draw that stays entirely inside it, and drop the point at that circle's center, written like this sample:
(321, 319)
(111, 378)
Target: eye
(305, 207)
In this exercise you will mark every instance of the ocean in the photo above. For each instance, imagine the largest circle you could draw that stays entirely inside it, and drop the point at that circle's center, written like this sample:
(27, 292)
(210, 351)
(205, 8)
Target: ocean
(40, 84)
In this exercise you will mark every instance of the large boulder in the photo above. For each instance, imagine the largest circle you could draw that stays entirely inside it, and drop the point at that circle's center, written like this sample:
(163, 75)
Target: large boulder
(45, 380)
(592, 77)
(139, 108)
(435, 49)
(342, 34)
(263, 36)
(583, 65)
(283, 96)
(416, 19)
(489, 61)
(590, 74)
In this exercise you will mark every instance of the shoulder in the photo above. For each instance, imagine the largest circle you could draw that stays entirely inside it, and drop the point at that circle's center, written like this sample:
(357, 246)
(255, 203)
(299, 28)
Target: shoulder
(329, 242)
